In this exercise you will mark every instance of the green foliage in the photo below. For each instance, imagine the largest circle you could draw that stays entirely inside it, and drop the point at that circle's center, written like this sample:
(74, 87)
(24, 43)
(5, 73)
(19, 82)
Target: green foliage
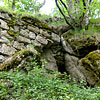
(58, 23)
(32, 6)
(77, 12)
(38, 84)
(28, 6)
(93, 29)
(79, 7)
(45, 17)
(56, 12)
(95, 20)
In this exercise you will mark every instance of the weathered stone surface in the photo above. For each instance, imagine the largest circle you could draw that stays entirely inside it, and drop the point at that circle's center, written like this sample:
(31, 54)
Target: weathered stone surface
(16, 29)
(71, 66)
(5, 16)
(5, 64)
(3, 24)
(67, 47)
(51, 61)
(5, 33)
(41, 40)
(1, 16)
(23, 39)
(17, 58)
(11, 29)
(32, 35)
(31, 48)
(37, 44)
(55, 37)
(91, 65)
(45, 33)
(3, 39)
(20, 23)
(2, 58)
(18, 45)
(34, 29)
(24, 33)
(6, 50)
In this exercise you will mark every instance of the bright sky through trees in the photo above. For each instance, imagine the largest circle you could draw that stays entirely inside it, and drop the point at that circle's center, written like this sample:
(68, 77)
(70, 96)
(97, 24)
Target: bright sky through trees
(49, 5)
(1, 3)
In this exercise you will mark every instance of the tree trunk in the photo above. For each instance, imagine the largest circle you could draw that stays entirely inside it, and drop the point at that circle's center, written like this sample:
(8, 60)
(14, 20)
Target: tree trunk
(78, 12)
(13, 5)
(78, 18)
(85, 20)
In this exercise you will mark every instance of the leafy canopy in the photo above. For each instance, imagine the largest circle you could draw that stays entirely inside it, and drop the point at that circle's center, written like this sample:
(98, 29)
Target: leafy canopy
(24, 5)
(78, 12)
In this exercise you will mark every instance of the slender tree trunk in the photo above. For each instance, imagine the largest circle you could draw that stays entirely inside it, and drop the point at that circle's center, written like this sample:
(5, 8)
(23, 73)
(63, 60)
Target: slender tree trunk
(13, 5)
(85, 21)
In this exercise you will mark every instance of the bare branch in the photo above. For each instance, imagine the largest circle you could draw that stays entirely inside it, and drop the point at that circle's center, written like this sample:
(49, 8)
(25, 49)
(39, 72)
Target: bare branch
(56, 1)
(67, 10)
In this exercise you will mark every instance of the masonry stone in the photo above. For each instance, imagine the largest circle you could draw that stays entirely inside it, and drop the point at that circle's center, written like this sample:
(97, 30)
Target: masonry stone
(7, 50)
(23, 39)
(41, 40)
(3, 24)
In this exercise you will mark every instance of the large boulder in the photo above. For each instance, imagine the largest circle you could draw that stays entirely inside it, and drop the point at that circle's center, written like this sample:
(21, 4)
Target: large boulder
(73, 68)
(91, 67)
(51, 63)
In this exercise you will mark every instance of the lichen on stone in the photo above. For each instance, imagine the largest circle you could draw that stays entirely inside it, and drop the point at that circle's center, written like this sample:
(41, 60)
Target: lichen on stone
(13, 61)
(91, 63)
(81, 45)
(29, 20)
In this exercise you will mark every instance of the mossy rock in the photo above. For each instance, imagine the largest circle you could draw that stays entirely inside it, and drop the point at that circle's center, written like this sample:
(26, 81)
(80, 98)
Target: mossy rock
(68, 35)
(11, 33)
(81, 45)
(30, 20)
(91, 63)
(17, 58)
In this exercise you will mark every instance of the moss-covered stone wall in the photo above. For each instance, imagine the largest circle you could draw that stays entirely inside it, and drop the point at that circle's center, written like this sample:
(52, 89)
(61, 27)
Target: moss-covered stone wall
(23, 32)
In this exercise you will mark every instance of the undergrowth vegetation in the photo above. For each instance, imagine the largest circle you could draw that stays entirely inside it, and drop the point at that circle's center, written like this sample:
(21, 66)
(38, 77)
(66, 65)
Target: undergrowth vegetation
(93, 30)
(39, 84)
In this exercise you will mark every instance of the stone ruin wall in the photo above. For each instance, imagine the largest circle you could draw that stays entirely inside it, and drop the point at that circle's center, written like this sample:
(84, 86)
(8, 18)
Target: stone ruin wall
(25, 32)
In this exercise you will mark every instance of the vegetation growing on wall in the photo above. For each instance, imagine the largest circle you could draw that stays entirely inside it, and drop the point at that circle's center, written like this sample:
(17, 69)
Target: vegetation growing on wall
(38, 83)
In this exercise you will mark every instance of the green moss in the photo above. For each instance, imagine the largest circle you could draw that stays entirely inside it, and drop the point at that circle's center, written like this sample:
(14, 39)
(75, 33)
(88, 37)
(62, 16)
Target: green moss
(16, 59)
(30, 20)
(10, 24)
(11, 33)
(44, 25)
(95, 20)
(91, 64)
(69, 34)
(93, 56)
(5, 65)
